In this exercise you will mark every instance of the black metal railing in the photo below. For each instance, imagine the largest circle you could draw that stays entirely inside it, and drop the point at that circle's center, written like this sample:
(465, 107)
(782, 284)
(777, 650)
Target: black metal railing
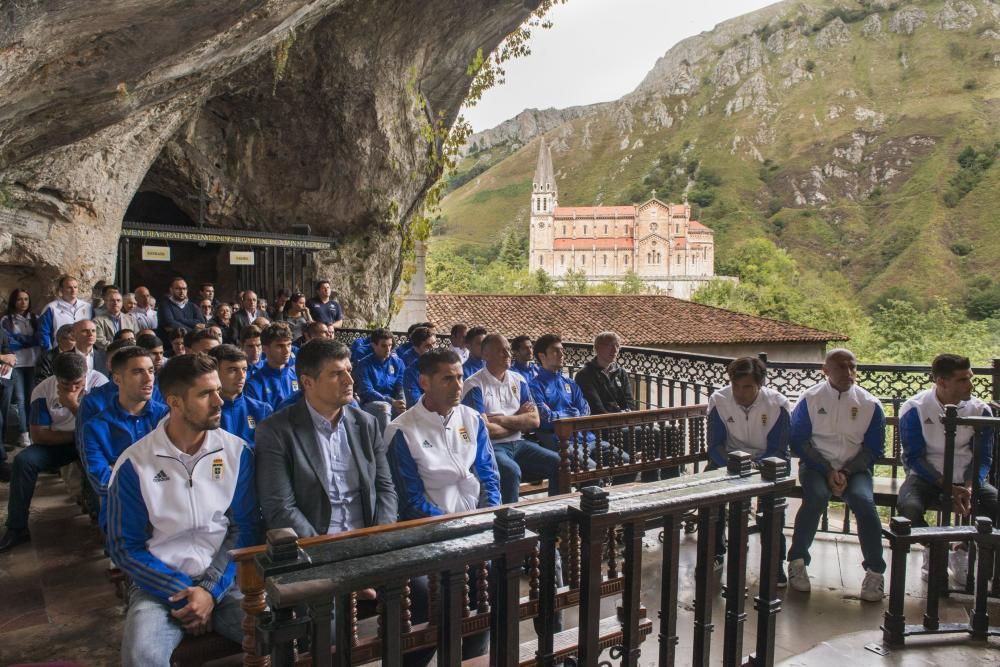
(666, 378)
(293, 586)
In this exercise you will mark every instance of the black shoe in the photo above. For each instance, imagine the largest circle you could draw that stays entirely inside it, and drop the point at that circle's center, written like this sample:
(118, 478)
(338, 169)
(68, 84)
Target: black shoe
(12, 538)
(4, 472)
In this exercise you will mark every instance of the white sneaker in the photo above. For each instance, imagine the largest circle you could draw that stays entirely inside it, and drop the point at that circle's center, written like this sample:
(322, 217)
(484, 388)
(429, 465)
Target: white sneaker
(798, 577)
(25, 439)
(958, 566)
(873, 587)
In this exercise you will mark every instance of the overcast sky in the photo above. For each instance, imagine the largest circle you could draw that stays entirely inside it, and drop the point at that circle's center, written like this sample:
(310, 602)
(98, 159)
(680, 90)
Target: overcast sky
(598, 50)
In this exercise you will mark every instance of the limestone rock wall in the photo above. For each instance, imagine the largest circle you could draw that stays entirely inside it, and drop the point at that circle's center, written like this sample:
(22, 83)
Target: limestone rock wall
(101, 99)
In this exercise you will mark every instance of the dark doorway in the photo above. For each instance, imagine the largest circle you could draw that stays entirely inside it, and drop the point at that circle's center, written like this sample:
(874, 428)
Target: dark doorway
(153, 208)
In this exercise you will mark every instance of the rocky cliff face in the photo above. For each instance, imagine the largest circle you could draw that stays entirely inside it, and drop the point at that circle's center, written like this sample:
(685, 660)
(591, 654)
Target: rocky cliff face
(287, 111)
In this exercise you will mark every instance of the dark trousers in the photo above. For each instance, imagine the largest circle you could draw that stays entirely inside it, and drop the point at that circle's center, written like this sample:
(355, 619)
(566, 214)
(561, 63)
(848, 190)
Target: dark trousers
(24, 474)
(6, 390)
(917, 494)
(523, 459)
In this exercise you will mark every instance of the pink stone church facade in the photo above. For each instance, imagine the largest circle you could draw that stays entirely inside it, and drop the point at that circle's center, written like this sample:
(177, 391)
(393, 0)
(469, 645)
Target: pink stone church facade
(658, 241)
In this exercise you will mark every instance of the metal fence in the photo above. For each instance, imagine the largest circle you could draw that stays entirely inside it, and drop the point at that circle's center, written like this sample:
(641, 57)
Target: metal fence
(666, 378)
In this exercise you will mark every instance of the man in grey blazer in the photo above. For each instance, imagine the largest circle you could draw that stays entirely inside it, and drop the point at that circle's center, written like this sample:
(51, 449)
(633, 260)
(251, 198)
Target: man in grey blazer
(321, 464)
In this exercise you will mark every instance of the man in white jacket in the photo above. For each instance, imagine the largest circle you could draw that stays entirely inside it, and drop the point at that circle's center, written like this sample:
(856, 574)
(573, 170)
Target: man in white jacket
(179, 499)
(838, 432)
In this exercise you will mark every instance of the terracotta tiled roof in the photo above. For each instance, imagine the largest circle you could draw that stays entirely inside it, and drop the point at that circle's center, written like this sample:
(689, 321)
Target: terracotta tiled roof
(623, 243)
(640, 320)
(695, 226)
(595, 211)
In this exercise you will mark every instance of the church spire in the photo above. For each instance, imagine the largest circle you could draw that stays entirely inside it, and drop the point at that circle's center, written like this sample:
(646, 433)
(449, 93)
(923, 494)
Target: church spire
(545, 179)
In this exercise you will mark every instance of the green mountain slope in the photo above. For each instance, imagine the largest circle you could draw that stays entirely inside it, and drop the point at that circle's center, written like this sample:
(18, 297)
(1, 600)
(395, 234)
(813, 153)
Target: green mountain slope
(833, 128)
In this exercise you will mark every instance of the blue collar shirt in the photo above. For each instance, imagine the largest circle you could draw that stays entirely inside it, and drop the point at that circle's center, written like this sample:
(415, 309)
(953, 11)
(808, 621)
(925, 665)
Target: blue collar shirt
(343, 480)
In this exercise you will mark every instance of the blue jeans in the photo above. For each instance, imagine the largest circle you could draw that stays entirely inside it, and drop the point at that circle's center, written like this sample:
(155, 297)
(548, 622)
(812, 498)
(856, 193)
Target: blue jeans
(519, 459)
(23, 382)
(151, 633)
(24, 474)
(382, 411)
(858, 496)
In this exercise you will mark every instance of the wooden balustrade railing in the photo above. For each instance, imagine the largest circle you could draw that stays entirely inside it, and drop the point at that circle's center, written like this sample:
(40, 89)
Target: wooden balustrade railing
(292, 585)
(650, 439)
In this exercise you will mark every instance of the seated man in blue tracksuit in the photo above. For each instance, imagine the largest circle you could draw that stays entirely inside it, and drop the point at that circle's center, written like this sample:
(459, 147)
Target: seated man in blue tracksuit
(474, 343)
(179, 500)
(524, 357)
(922, 436)
(838, 432)
(276, 379)
(130, 416)
(378, 379)
(558, 397)
(441, 454)
(748, 417)
(405, 349)
(423, 340)
(252, 347)
(240, 413)
(360, 348)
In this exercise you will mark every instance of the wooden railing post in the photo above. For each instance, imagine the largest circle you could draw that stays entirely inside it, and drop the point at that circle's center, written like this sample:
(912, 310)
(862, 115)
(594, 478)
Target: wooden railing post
(704, 590)
(547, 596)
(631, 638)
(950, 432)
(251, 585)
(668, 590)
(508, 525)
(593, 501)
(277, 631)
(767, 603)
(894, 621)
(739, 463)
(980, 621)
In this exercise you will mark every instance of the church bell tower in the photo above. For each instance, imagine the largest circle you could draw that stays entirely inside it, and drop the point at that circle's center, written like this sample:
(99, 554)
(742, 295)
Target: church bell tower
(544, 199)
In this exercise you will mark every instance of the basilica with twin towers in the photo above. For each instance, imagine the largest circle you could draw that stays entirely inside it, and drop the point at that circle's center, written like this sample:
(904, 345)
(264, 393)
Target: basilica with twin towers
(657, 241)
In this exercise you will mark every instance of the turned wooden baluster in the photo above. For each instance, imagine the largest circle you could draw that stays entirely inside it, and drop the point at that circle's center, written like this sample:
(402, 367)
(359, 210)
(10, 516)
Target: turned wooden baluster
(534, 573)
(483, 586)
(254, 603)
(406, 615)
(612, 553)
(354, 619)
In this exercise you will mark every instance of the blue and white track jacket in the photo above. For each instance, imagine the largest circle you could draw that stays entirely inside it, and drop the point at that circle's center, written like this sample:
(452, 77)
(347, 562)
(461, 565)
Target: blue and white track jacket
(379, 380)
(760, 430)
(58, 313)
(922, 435)
(442, 464)
(838, 430)
(558, 397)
(168, 528)
(241, 415)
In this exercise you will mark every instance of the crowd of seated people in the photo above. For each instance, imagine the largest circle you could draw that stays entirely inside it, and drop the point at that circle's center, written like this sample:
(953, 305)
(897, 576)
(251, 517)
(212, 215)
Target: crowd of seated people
(298, 430)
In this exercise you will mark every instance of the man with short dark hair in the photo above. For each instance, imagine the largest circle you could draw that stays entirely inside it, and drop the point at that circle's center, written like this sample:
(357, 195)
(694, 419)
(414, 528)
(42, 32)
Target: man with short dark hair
(404, 350)
(177, 311)
(54, 406)
(323, 308)
(252, 347)
(379, 378)
(112, 320)
(923, 440)
(206, 292)
(312, 331)
(838, 432)
(558, 397)
(127, 335)
(276, 379)
(65, 343)
(66, 309)
(179, 500)
(502, 397)
(424, 341)
(361, 347)
(524, 358)
(442, 457)
(201, 340)
(474, 343)
(240, 413)
(131, 416)
(457, 341)
(154, 346)
(746, 416)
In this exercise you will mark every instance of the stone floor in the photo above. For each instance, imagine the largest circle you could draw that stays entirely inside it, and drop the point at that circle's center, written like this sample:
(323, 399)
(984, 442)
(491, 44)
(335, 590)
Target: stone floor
(56, 604)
